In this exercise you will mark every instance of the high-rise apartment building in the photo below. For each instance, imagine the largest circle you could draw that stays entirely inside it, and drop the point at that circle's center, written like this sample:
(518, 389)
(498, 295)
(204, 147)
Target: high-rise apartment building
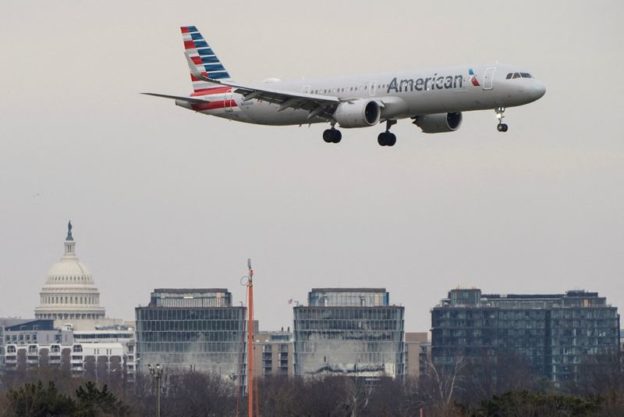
(195, 329)
(349, 331)
(555, 333)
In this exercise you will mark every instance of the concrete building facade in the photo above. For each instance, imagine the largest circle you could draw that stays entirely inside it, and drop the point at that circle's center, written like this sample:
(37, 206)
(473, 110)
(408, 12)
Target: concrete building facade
(415, 345)
(30, 344)
(274, 353)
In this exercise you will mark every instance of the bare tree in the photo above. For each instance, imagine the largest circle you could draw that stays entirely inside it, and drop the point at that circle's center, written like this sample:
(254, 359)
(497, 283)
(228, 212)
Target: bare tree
(490, 374)
(280, 396)
(195, 394)
(440, 384)
(599, 375)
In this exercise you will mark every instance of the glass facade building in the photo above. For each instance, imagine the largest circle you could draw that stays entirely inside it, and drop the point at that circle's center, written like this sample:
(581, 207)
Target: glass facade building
(349, 331)
(192, 329)
(555, 333)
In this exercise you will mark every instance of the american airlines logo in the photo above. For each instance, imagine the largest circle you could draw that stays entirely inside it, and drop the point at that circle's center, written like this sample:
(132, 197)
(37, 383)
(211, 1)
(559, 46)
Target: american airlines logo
(435, 82)
(473, 77)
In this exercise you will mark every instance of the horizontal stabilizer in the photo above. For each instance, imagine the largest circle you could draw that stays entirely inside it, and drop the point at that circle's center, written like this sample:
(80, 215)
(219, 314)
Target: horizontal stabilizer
(181, 98)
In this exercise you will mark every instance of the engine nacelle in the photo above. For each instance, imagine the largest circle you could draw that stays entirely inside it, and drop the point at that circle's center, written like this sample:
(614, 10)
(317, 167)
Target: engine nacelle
(358, 113)
(438, 123)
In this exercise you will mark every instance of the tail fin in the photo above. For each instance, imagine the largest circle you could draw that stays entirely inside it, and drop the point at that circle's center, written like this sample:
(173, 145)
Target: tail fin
(201, 59)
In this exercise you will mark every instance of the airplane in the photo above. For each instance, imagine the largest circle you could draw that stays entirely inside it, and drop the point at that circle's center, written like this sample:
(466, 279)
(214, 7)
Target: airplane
(433, 98)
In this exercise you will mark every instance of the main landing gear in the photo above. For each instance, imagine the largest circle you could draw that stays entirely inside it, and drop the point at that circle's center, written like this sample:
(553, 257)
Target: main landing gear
(332, 135)
(501, 127)
(387, 138)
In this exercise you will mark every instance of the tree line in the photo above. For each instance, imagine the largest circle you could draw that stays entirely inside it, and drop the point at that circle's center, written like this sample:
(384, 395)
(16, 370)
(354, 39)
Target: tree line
(502, 386)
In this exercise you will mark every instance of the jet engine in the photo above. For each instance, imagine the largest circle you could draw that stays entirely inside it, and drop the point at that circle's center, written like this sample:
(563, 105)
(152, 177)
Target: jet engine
(438, 123)
(358, 113)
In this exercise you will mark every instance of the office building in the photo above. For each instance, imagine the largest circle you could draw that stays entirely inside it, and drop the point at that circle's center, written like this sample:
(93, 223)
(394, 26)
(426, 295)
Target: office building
(349, 331)
(555, 333)
(197, 329)
(274, 353)
(415, 342)
(424, 359)
(30, 344)
(111, 336)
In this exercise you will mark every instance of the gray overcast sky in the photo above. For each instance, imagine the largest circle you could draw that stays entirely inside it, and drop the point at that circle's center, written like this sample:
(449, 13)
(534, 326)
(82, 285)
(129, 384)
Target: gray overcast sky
(163, 197)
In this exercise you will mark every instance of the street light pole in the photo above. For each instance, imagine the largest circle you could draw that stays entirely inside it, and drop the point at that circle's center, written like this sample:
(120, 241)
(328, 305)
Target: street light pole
(156, 373)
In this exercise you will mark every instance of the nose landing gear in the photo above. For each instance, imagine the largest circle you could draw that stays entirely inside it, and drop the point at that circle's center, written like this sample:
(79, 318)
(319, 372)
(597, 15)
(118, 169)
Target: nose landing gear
(501, 127)
(387, 138)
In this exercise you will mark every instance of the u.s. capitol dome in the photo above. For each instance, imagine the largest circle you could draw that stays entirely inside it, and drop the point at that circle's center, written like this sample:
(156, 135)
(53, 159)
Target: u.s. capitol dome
(69, 292)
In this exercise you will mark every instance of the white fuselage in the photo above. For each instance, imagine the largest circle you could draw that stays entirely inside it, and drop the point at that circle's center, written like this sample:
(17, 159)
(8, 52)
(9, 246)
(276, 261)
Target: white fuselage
(401, 95)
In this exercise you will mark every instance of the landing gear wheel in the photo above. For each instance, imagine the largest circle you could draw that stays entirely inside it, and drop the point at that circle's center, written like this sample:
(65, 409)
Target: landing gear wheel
(327, 136)
(386, 139)
(502, 127)
(332, 135)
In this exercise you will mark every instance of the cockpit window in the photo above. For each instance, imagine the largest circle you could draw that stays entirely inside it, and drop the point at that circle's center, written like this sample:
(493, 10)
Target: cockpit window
(518, 75)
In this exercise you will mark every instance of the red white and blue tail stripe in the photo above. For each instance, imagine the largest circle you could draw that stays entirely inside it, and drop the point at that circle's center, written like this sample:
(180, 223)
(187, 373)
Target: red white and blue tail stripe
(202, 58)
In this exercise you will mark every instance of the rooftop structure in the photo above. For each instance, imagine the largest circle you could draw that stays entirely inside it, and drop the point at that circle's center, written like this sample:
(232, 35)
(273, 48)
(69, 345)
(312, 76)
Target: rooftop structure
(345, 297)
(191, 297)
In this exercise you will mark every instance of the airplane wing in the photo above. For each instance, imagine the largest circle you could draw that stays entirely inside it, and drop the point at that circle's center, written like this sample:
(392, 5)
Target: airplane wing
(316, 105)
(181, 98)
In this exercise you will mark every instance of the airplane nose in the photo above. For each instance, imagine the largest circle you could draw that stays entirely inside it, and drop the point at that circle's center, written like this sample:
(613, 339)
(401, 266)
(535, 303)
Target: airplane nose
(539, 90)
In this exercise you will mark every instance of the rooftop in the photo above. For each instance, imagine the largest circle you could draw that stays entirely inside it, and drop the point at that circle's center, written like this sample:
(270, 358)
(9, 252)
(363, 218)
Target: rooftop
(474, 297)
(356, 289)
(32, 325)
(189, 290)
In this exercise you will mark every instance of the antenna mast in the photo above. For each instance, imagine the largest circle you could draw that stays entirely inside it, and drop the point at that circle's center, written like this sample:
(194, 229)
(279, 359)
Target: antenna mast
(250, 341)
